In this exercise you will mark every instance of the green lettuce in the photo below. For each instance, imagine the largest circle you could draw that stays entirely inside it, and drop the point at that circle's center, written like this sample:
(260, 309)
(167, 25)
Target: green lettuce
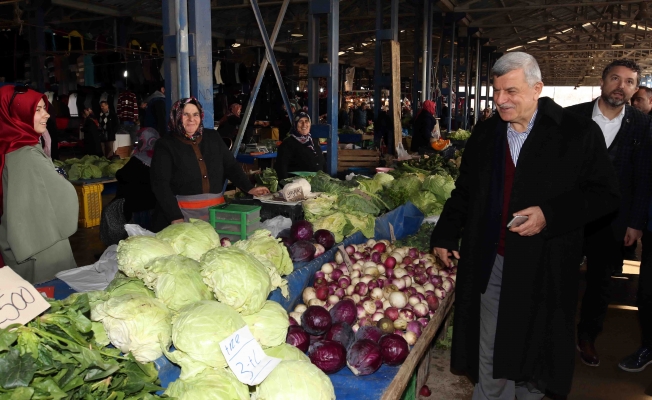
(262, 243)
(208, 230)
(210, 384)
(237, 278)
(286, 352)
(365, 223)
(295, 380)
(356, 203)
(403, 188)
(187, 240)
(320, 206)
(136, 251)
(269, 325)
(334, 223)
(441, 185)
(427, 203)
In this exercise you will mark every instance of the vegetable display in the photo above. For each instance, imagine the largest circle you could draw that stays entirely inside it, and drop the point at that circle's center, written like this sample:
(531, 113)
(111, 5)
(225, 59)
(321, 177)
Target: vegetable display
(90, 167)
(459, 134)
(307, 382)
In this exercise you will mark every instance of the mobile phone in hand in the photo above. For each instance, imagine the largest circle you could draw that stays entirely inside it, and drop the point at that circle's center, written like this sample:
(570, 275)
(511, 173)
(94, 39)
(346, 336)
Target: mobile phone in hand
(517, 221)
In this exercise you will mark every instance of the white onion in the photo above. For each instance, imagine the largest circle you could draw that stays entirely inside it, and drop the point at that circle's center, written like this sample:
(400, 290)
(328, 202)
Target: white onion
(420, 289)
(410, 337)
(357, 266)
(355, 281)
(355, 273)
(366, 278)
(368, 264)
(309, 293)
(327, 268)
(338, 257)
(377, 316)
(316, 302)
(399, 272)
(332, 300)
(371, 242)
(356, 298)
(440, 293)
(452, 276)
(386, 304)
(408, 280)
(414, 300)
(399, 283)
(397, 256)
(398, 299)
(355, 328)
(372, 271)
(447, 285)
(428, 286)
(369, 307)
(377, 294)
(296, 316)
(400, 324)
(300, 308)
(381, 269)
(420, 309)
(349, 290)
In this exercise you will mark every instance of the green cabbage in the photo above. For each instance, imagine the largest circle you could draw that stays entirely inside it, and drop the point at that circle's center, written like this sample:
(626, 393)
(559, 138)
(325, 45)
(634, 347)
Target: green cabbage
(459, 134)
(366, 223)
(208, 230)
(269, 325)
(111, 169)
(93, 171)
(197, 332)
(403, 188)
(356, 203)
(210, 384)
(187, 240)
(427, 203)
(176, 281)
(101, 164)
(440, 185)
(287, 352)
(75, 172)
(321, 206)
(384, 179)
(136, 251)
(121, 285)
(135, 323)
(334, 223)
(369, 185)
(237, 278)
(262, 243)
(88, 159)
(295, 380)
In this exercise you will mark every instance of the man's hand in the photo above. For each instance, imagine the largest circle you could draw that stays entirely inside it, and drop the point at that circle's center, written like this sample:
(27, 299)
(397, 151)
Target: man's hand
(632, 235)
(259, 191)
(535, 223)
(445, 255)
(177, 221)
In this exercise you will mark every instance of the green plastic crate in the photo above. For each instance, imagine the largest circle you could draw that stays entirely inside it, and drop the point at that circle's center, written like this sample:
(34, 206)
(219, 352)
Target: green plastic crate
(234, 219)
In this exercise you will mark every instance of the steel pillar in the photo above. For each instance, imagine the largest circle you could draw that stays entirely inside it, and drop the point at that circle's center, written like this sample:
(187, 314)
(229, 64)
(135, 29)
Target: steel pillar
(382, 81)
(426, 66)
(201, 57)
(478, 66)
(316, 10)
(467, 83)
(171, 56)
(488, 78)
(416, 103)
(183, 72)
(450, 80)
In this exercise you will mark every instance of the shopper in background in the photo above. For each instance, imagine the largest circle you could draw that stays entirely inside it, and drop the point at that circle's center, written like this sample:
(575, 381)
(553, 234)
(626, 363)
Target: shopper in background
(360, 117)
(424, 125)
(92, 136)
(626, 133)
(516, 292)
(300, 151)
(109, 125)
(486, 114)
(343, 116)
(39, 206)
(155, 111)
(642, 100)
(190, 166)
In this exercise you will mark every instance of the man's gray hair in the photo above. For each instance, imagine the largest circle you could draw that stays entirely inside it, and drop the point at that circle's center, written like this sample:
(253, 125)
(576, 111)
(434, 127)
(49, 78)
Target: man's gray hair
(518, 60)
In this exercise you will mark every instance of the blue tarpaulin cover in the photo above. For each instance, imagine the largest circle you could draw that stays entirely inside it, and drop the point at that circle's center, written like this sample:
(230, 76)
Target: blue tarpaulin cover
(405, 220)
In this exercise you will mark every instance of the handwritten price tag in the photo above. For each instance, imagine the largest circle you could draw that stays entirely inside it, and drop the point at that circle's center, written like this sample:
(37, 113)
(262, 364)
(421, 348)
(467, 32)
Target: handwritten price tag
(19, 300)
(392, 237)
(246, 358)
(345, 256)
(294, 194)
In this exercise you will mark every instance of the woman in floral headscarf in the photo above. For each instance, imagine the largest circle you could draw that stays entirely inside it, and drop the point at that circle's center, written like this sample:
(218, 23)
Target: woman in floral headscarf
(424, 124)
(190, 166)
(299, 151)
(39, 206)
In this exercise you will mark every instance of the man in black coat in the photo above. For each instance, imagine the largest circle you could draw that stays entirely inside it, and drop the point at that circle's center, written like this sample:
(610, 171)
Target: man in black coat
(517, 287)
(626, 132)
(109, 126)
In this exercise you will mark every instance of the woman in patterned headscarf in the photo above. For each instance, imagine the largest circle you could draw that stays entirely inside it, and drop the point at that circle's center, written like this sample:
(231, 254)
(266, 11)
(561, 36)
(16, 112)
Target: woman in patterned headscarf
(190, 166)
(424, 124)
(39, 206)
(299, 151)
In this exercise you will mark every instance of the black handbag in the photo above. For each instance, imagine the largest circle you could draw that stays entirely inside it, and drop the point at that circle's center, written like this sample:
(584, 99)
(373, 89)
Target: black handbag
(112, 223)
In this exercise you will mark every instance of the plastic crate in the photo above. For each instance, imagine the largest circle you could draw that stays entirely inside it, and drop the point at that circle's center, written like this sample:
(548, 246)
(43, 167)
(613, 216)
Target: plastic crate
(239, 213)
(237, 231)
(90, 204)
(269, 211)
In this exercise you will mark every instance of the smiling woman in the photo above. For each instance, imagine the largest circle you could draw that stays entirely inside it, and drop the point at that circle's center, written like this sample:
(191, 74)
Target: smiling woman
(39, 207)
(300, 151)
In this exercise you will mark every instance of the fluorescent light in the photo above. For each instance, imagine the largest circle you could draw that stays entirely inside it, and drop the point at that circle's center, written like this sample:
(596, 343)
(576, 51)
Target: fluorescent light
(235, 45)
(321, 90)
(341, 53)
(298, 88)
(125, 74)
(514, 48)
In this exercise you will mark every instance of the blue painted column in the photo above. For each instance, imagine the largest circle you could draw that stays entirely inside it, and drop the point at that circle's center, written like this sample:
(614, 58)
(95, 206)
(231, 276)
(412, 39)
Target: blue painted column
(200, 55)
(170, 60)
(329, 70)
(451, 78)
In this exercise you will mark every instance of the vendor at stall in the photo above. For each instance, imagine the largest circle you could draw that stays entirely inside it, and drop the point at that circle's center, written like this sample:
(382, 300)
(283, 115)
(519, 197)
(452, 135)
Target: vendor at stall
(299, 151)
(39, 206)
(189, 168)
(424, 124)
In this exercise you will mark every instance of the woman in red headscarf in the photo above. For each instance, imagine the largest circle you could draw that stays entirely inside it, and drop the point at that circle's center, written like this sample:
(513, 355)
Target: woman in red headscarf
(424, 124)
(39, 206)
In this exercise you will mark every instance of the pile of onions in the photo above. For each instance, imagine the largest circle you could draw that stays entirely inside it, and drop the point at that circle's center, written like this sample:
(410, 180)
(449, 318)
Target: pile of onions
(395, 290)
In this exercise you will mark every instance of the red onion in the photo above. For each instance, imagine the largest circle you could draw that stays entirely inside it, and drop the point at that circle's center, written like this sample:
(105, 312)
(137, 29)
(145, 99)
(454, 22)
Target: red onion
(408, 260)
(339, 292)
(375, 257)
(421, 296)
(430, 292)
(433, 302)
(421, 278)
(298, 338)
(399, 283)
(392, 313)
(389, 273)
(319, 274)
(413, 252)
(423, 322)
(394, 349)
(336, 274)
(365, 321)
(349, 249)
(372, 284)
(431, 271)
(321, 293)
(406, 314)
(448, 285)
(379, 304)
(410, 291)
(344, 282)
(420, 310)
(436, 280)
(361, 312)
(444, 272)
(380, 247)
(425, 391)
(440, 293)
(361, 288)
(414, 327)
(358, 256)
(320, 282)
(390, 262)
(332, 287)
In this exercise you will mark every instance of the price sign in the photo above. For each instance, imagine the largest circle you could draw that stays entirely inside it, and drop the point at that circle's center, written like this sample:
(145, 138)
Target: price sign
(294, 194)
(392, 237)
(345, 256)
(246, 358)
(19, 300)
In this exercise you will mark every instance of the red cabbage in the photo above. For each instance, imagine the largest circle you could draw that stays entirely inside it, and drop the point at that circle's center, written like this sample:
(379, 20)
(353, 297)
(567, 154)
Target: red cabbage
(342, 333)
(298, 338)
(316, 320)
(370, 332)
(327, 355)
(364, 357)
(301, 230)
(344, 311)
(302, 250)
(394, 349)
(325, 238)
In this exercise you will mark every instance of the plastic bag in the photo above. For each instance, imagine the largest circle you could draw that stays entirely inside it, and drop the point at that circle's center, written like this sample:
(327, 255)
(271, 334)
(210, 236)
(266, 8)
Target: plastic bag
(401, 153)
(137, 230)
(277, 224)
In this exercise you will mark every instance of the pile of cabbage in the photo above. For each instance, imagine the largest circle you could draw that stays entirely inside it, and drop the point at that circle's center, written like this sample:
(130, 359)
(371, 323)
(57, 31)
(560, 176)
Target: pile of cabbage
(90, 167)
(180, 293)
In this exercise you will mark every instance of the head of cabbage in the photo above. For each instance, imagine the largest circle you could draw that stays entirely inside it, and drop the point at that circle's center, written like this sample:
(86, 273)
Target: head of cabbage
(295, 380)
(135, 323)
(197, 332)
(269, 325)
(136, 251)
(334, 223)
(287, 352)
(262, 243)
(237, 278)
(176, 281)
(188, 240)
(209, 384)
(441, 185)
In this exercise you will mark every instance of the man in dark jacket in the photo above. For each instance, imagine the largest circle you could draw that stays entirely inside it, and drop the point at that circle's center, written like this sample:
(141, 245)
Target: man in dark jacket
(626, 132)
(360, 117)
(516, 292)
(642, 100)
(109, 125)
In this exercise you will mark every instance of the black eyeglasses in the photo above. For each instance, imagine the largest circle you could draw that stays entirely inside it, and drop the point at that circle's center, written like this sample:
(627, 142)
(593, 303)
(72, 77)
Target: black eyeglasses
(17, 90)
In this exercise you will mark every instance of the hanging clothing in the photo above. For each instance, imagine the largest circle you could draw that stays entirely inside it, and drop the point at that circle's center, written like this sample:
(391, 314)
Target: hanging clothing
(350, 76)
(127, 107)
(72, 105)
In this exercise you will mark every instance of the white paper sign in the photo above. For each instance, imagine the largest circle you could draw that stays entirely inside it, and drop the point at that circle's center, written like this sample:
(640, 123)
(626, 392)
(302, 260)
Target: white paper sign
(20, 302)
(246, 358)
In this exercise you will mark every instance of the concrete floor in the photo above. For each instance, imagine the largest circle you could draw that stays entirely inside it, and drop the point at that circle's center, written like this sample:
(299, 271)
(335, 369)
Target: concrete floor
(606, 382)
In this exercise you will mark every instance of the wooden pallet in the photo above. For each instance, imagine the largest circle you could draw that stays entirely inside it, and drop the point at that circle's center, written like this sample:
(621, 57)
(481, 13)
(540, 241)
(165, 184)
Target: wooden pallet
(357, 159)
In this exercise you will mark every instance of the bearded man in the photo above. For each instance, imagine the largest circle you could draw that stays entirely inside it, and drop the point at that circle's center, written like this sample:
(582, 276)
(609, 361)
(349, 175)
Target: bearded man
(626, 134)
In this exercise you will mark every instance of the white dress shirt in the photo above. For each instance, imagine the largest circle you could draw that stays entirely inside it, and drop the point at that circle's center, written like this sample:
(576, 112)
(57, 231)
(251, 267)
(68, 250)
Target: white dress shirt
(609, 127)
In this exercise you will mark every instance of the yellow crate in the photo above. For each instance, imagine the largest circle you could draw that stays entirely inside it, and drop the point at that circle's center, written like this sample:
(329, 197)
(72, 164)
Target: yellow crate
(90, 204)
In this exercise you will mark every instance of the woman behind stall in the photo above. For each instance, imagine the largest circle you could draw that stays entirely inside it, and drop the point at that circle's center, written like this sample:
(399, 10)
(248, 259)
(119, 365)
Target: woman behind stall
(424, 124)
(39, 206)
(190, 166)
(228, 126)
(299, 151)
(92, 137)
